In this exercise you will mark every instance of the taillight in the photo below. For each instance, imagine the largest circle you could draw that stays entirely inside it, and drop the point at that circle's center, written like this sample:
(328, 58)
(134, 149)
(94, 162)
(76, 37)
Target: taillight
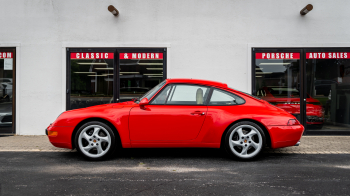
(293, 122)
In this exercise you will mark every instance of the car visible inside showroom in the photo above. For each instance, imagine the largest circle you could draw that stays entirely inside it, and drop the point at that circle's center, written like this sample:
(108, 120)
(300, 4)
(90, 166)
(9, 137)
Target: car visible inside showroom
(289, 100)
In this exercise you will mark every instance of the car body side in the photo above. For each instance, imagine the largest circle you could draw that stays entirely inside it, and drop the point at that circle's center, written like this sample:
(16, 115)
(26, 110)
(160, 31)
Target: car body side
(273, 120)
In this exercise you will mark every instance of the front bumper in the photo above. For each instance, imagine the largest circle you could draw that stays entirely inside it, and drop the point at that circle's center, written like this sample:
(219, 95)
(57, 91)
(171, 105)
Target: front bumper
(314, 120)
(62, 137)
(284, 136)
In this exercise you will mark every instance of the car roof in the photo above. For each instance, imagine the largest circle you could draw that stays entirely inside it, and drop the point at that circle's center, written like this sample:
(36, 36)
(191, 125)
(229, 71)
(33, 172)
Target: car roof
(196, 81)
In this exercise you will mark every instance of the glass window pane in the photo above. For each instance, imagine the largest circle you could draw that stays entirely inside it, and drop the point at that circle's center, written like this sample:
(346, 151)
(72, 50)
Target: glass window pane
(277, 80)
(139, 73)
(91, 79)
(328, 84)
(188, 95)
(6, 94)
(160, 99)
(220, 97)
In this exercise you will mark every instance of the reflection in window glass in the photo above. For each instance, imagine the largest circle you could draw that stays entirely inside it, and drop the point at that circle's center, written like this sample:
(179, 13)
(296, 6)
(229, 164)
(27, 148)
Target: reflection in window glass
(220, 97)
(328, 84)
(161, 98)
(188, 95)
(277, 80)
(6, 93)
(91, 81)
(139, 73)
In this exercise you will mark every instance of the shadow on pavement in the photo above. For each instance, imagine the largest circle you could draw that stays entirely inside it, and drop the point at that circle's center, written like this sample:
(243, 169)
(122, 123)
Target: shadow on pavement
(175, 153)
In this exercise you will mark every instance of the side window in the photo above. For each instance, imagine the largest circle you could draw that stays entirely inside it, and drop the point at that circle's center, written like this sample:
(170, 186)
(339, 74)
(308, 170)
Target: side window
(220, 97)
(188, 95)
(160, 99)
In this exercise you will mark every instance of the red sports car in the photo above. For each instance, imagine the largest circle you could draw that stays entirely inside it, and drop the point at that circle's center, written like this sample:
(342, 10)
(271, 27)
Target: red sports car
(289, 100)
(178, 113)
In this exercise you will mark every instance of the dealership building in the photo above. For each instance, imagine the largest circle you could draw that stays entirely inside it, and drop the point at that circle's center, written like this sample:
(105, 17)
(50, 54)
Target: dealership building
(61, 55)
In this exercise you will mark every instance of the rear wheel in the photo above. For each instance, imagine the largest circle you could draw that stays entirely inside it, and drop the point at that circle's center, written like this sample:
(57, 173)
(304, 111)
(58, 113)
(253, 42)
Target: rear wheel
(245, 140)
(95, 140)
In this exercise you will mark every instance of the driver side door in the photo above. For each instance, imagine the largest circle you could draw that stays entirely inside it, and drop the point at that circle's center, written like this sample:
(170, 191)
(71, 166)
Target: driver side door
(176, 114)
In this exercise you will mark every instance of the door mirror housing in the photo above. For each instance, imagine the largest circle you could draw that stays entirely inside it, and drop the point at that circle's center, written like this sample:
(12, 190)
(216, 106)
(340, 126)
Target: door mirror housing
(143, 102)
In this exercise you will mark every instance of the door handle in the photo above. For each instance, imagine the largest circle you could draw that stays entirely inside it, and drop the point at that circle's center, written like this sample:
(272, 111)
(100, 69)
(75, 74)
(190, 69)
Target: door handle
(198, 112)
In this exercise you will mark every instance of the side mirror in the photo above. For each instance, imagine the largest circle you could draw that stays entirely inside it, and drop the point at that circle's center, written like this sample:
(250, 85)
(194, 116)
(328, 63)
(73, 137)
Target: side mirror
(143, 102)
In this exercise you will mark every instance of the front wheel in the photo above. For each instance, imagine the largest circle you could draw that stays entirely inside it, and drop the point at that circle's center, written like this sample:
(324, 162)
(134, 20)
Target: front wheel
(95, 140)
(245, 140)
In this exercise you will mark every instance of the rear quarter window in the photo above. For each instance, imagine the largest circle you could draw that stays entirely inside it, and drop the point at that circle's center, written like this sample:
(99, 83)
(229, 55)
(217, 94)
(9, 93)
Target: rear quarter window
(224, 98)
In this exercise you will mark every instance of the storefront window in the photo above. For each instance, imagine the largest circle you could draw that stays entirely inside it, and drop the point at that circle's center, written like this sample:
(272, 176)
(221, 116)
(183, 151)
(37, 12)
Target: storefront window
(322, 84)
(6, 90)
(277, 80)
(102, 77)
(139, 72)
(91, 79)
(328, 83)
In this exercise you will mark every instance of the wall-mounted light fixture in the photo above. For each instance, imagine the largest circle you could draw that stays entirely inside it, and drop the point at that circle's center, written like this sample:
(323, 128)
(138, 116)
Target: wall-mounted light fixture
(306, 9)
(113, 10)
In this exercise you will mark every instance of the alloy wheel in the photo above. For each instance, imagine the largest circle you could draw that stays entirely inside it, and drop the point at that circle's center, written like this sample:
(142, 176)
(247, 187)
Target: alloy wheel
(245, 141)
(94, 141)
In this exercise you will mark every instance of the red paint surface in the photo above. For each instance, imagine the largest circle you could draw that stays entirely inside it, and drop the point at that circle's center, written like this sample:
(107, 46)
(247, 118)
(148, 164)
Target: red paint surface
(91, 55)
(142, 55)
(277, 55)
(180, 126)
(6, 55)
(328, 55)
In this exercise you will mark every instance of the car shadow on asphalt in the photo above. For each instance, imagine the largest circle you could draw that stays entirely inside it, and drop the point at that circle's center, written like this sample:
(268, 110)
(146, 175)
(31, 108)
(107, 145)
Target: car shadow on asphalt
(178, 153)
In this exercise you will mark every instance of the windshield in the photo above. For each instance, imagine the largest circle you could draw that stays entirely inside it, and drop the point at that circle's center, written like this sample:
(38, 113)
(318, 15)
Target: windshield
(153, 91)
(246, 93)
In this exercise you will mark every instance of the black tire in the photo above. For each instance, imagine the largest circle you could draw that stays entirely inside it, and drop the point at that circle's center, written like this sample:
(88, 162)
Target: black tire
(246, 142)
(104, 130)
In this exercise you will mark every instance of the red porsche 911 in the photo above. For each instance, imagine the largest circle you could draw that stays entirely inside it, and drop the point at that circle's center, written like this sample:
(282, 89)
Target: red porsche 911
(178, 113)
(289, 100)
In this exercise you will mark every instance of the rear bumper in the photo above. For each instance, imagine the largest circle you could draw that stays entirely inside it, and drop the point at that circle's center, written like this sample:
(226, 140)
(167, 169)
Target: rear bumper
(284, 136)
(63, 137)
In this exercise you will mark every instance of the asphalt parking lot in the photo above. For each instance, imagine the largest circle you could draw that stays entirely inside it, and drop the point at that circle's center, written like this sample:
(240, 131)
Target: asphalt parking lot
(173, 172)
